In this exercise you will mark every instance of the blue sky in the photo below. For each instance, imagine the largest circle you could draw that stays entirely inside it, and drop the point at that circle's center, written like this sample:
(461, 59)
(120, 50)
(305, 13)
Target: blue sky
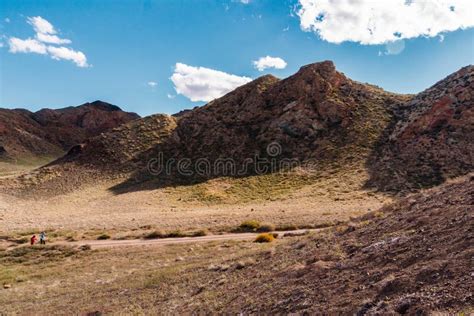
(133, 47)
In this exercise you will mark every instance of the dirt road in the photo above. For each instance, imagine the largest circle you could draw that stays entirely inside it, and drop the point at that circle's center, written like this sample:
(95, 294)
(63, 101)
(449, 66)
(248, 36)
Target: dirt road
(96, 244)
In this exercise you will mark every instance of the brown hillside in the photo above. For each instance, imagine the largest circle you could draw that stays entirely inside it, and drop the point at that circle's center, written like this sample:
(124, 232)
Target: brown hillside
(316, 113)
(414, 257)
(120, 147)
(24, 134)
(431, 138)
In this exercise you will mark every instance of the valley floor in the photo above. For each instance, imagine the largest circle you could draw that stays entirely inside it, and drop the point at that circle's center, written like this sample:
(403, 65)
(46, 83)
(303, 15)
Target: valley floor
(405, 258)
(100, 210)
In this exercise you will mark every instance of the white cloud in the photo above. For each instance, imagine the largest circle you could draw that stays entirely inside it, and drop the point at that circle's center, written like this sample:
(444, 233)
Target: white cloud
(152, 84)
(28, 45)
(269, 62)
(245, 1)
(204, 84)
(76, 57)
(371, 22)
(170, 96)
(52, 39)
(46, 34)
(45, 31)
(41, 25)
(7, 20)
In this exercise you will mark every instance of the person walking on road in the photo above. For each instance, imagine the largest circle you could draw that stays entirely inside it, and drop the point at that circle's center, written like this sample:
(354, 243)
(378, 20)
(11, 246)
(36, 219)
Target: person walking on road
(43, 238)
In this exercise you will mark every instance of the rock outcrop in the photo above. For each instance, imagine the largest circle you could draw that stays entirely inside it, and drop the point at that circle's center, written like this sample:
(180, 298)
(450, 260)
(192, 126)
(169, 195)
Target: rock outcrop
(431, 138)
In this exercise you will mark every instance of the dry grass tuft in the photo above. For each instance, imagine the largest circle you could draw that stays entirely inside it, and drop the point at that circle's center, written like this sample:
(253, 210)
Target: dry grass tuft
(249, 226)
(265, 237)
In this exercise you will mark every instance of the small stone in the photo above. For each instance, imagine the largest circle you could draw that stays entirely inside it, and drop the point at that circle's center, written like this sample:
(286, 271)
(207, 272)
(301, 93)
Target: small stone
(7, 286)
(180, 259)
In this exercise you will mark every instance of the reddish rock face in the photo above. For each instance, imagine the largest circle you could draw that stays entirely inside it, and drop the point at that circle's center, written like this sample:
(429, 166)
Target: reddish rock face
(432, 139)
(24, 134)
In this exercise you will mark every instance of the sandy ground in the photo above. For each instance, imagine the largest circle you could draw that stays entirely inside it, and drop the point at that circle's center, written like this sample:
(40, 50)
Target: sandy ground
(98, 208)
(98, 244)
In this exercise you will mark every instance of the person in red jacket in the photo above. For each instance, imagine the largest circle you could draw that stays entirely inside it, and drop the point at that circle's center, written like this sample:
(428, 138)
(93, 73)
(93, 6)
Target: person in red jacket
(33, 240)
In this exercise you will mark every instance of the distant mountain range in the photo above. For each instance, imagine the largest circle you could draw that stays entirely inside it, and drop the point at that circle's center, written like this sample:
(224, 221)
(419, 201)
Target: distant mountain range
(51, 133)
(405, 142)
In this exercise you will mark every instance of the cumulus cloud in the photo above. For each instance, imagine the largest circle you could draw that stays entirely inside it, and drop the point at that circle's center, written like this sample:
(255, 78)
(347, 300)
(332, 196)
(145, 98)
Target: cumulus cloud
(204, 84)
(269, 62)
(28, 45)
(45, 31)
(43, 42)
(52, 39)
(68, 54)
(41, 25)
(371, 22)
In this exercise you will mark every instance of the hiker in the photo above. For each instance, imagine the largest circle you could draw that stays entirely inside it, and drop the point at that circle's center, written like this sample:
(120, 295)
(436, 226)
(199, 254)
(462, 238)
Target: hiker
(43, 238)
(33, 240)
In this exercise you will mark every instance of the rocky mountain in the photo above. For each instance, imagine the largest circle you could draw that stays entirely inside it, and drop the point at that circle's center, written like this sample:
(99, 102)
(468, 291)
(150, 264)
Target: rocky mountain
(317, 118)
(316, 113)
(49, 133)
(430, 138)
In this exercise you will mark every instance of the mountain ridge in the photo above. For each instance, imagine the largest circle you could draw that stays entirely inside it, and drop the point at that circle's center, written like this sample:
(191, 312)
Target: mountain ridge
(51, 132)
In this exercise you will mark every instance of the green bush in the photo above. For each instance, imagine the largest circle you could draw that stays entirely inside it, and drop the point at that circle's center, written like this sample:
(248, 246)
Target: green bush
(265, 237)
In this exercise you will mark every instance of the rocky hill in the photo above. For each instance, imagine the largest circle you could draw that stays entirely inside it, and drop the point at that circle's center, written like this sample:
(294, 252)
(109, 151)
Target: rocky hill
(316, 113)
(430, 138)
(317, 119)
(413, 257)
(120, 147)
(49, 133)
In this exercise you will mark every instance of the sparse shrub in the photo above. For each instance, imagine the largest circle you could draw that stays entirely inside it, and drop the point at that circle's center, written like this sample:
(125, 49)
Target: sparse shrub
(154, 235)
(85, 247)
(266, 227)
(265, 237)
(176, 234)
(103, 237)
(249, 226)
(286, 227)
(199, 233)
